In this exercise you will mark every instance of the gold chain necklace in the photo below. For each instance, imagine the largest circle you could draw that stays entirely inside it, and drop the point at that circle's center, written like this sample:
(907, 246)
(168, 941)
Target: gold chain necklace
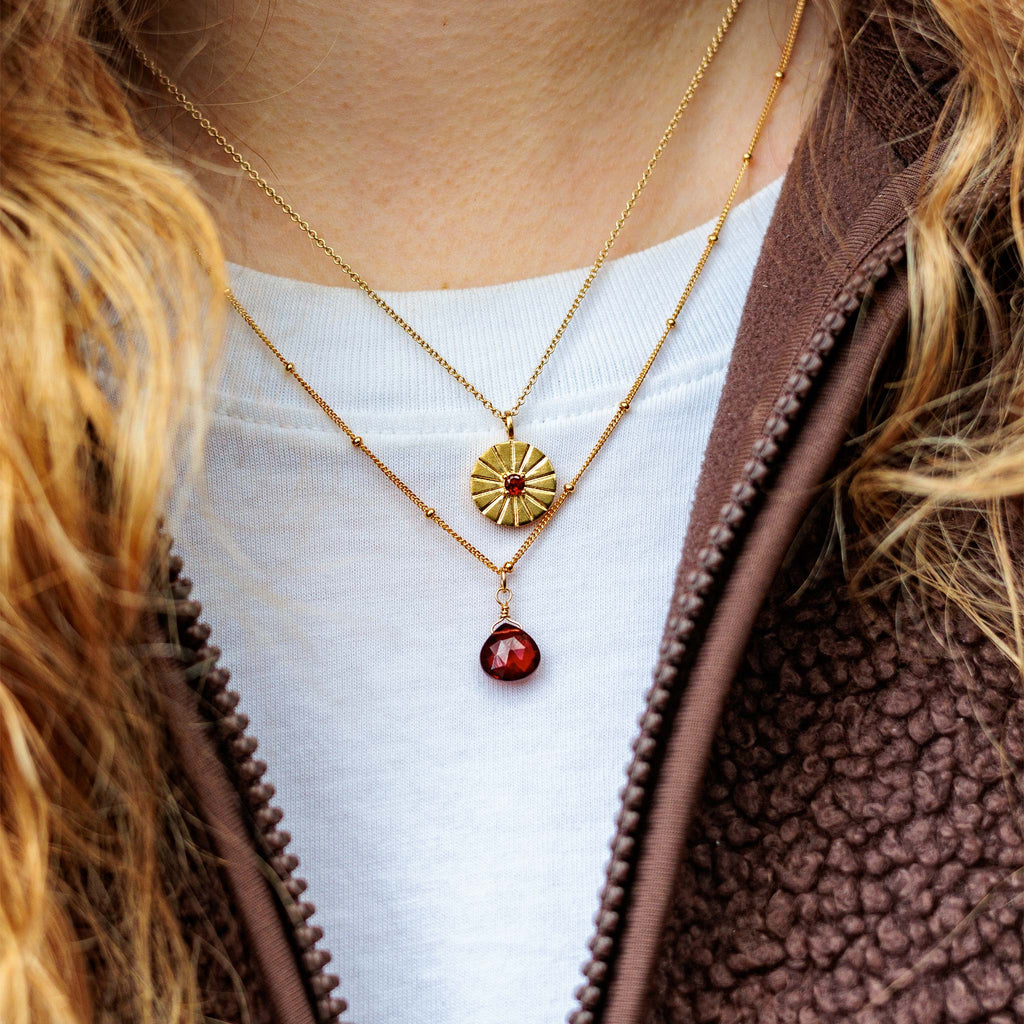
(510, 653)
(513, 483)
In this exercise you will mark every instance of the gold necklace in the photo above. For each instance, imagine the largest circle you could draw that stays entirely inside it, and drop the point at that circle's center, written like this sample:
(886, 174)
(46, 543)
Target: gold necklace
(513, 483)
(510, 653)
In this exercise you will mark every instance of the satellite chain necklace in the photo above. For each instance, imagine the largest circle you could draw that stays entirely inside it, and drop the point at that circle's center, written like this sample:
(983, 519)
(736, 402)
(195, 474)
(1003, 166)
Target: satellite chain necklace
(510, 653)
(513, 483)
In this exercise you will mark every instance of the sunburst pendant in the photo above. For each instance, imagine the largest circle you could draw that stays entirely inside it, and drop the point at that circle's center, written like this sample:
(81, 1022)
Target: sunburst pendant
(513, 483)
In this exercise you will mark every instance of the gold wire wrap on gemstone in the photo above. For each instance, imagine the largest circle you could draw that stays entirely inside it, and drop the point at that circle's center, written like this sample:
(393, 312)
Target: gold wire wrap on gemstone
(513, 459)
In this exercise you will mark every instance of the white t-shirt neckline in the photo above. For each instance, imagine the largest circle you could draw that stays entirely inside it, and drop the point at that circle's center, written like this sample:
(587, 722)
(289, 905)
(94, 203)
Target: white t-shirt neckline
(365, 365)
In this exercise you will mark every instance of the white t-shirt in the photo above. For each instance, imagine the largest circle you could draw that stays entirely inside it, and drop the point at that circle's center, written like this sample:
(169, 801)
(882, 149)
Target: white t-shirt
(454, 830)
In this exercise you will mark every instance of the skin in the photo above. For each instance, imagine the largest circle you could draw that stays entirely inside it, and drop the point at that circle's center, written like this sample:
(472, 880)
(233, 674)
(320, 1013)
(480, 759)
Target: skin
(470, 143)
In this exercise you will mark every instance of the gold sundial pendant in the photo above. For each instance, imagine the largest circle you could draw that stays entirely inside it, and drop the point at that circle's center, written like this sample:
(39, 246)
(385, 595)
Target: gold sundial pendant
(513, 483)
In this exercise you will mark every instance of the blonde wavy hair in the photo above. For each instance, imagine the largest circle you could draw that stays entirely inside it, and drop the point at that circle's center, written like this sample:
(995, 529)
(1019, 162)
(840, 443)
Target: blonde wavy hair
(97, 239)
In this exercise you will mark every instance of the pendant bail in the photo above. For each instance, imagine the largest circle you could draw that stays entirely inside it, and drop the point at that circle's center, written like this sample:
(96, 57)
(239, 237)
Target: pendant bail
(510, 426)
(503, 596)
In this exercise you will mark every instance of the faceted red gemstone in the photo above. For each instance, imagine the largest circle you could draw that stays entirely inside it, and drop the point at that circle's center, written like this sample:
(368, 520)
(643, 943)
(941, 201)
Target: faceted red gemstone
(509, 653)
(515, 484)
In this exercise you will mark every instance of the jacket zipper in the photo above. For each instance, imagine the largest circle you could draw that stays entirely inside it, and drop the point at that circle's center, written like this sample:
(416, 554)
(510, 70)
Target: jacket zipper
(687, 623)
(229, 727)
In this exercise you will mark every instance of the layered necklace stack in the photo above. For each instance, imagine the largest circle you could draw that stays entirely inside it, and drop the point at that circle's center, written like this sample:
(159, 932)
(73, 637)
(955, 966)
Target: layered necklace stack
(513, 483)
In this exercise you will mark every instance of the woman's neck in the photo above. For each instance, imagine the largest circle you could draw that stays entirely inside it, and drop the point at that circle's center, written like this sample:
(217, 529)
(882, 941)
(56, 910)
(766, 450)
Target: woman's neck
(467, 143)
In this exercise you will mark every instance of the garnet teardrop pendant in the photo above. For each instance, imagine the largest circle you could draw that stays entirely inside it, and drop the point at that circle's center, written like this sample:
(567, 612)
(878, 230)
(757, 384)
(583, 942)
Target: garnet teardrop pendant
(509, 653)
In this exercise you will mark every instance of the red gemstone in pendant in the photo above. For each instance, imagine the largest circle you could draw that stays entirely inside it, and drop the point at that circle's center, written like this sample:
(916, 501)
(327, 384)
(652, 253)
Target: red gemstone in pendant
(509, 653)
(515, 484)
